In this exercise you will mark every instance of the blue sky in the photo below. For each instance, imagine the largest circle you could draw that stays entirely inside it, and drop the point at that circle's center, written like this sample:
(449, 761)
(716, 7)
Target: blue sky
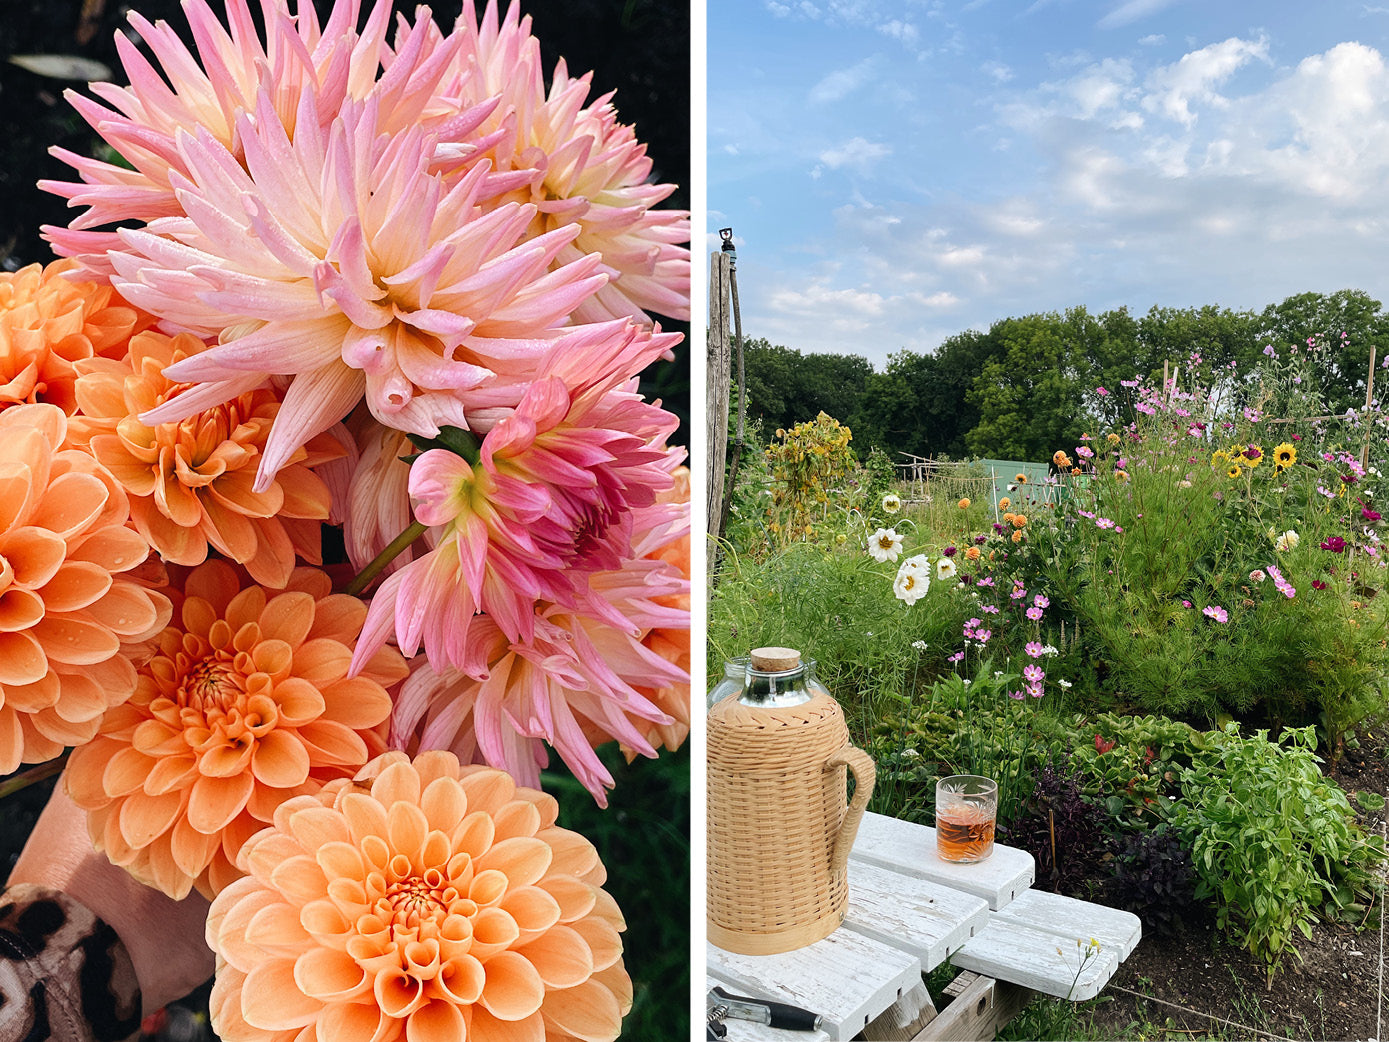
(897, 171)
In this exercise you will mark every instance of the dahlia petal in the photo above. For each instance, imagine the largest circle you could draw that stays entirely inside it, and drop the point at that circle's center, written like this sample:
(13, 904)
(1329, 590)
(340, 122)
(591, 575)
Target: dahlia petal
(351, 1022)
(365, 816)
(436, 1021)
(493, 929)
(444, 804)
(358, 703)
(314, 827)
(271, 1002)
(399, 783)
(75, 585)
(560, 956)
(280, 760)
(80, 699)
(22, 659)
(30, 698)
(192, 849)
(398, 994)
(330, 976)
(215, 802)
(299, 879)
(576, 899)
(288, 617)
(588, 1011)
(277, 926)
(522, 860)
(329, 742)
(144, 817)
(35, 554)
(317, 399)
(513, 990)
(20, 610)
(339, 859)
(406, 827)
(486, 1028)
(169, 773)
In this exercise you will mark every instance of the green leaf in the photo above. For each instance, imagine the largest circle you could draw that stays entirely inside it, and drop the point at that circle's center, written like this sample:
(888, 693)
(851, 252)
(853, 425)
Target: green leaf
(1369, 800)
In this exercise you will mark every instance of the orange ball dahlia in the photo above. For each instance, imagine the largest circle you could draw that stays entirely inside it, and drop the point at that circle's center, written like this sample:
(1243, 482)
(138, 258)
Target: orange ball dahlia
(190, 482)
(48, 324)
(419, 901)
(68, 617)
(245, 704)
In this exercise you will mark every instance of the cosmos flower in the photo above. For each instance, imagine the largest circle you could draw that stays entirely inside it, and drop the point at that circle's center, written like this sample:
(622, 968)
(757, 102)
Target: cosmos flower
(892, 503)
(245, 704)
(69, 615)
(1216, 612)
(421, 900)
(190, 483)
(884, 545)
(911, 584)
(945, 569)
(1287, 541)
(49, 323)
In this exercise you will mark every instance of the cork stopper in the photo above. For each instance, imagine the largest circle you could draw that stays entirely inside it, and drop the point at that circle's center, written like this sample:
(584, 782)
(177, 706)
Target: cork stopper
(775, 660)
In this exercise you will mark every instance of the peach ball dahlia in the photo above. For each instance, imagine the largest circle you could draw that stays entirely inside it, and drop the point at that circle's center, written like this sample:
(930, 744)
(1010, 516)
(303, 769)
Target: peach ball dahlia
(48, 324)
(190, 482)
(68, 617)
(245, 704)
(420, 901)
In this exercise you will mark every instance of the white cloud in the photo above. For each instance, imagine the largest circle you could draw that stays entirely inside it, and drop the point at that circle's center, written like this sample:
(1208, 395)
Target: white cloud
(1193, 78)
(855, 154)
(839, 84)
(1000, 72)
(1131, 11)
(943, 299)
(830, 304)
(1152, 40)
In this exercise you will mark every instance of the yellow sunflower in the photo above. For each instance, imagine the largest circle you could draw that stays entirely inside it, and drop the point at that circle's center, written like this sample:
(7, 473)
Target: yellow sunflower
(1284, 456)
(1234, 471)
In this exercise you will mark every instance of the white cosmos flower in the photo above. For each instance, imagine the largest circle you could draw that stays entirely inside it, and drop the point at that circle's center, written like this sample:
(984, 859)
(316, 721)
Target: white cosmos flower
(911, 583)
(884, 545)
(945, 568)
(1287, 540)
(892, 503)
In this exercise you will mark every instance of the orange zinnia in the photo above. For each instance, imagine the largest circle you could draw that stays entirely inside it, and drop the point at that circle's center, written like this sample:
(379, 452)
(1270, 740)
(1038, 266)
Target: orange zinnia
(190, 482)
(48, 324)
(245, 704)
(67, 614)
(420, 901)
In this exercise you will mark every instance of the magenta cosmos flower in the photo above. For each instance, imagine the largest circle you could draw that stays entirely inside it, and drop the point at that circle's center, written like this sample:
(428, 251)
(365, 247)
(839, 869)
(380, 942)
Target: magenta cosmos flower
(546, 502)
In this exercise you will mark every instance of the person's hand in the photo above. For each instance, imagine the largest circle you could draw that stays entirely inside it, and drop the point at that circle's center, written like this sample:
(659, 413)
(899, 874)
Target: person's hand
(164, 937)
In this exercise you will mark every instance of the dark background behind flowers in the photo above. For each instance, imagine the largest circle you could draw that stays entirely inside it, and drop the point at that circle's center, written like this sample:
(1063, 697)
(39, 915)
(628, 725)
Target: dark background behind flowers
(640, 49)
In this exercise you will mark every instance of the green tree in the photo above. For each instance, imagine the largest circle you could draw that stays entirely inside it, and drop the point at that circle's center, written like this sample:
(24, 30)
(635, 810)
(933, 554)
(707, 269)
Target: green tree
(1348, 311)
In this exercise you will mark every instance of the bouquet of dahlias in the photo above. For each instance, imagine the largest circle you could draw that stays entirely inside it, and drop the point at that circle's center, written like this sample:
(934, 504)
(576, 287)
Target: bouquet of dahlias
(330, 506)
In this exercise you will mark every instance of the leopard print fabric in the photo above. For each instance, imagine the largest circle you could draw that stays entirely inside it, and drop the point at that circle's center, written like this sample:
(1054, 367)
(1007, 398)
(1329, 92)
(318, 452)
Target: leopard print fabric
(64, 974)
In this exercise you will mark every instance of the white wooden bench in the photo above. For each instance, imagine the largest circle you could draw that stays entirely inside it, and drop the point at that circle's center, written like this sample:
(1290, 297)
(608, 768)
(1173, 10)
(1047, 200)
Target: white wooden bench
(908, 912)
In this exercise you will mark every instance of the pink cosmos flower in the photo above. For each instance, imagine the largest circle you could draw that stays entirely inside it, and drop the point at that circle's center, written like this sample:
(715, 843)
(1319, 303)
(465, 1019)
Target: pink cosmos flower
(1033, 674)
(546, 502)
(1034, 649)
(344, 264)
(1216, 612)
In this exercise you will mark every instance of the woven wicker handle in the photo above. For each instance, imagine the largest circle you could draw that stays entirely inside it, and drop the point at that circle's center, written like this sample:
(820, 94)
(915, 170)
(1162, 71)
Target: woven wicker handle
(861, 766)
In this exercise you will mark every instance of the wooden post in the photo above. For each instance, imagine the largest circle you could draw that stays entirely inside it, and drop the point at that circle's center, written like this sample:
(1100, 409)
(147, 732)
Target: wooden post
(1369, 397)
(718, 357)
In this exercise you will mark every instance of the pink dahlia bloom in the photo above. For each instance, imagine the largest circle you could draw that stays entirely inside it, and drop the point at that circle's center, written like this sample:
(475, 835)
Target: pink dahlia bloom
(587, 170)
(547, 502)
(357, 270)
(421, 900)
(582, 679)
(211, 87)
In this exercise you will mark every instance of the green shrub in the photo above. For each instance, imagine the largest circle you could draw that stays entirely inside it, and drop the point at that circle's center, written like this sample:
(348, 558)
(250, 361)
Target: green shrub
(1273, 842)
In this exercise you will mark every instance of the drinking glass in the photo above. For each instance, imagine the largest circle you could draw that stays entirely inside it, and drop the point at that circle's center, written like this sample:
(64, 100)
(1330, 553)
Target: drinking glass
(966, 807)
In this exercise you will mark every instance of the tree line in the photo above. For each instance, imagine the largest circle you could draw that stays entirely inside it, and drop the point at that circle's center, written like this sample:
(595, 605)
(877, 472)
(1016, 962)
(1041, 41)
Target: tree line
(1027, 385)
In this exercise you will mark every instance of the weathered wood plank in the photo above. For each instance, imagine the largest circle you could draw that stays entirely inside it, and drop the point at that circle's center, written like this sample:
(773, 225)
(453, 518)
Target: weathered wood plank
(1068, 918)
(847, 978)
(977, 1013)
(916, 915)
(1042, 960)
(911, 849)
(748, 1031)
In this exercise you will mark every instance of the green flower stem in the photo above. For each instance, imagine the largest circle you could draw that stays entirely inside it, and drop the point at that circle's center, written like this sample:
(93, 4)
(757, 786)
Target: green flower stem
(24, 779)
(386, 556)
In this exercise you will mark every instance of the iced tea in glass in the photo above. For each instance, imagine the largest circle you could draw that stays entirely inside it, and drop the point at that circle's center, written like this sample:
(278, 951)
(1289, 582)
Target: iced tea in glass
(966, 808)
